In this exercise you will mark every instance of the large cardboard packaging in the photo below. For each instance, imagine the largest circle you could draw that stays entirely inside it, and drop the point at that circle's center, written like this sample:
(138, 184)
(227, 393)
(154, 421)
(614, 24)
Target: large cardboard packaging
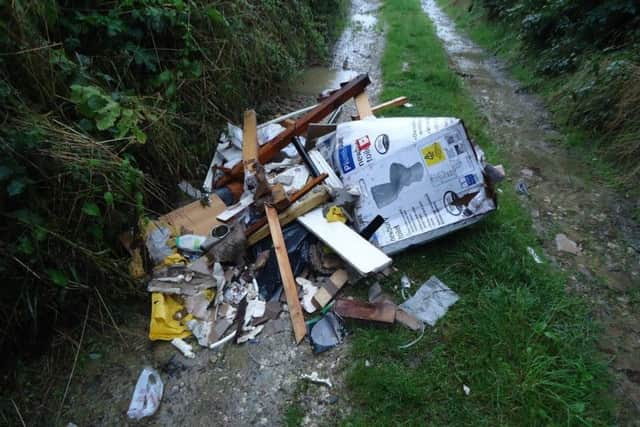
(421, 174)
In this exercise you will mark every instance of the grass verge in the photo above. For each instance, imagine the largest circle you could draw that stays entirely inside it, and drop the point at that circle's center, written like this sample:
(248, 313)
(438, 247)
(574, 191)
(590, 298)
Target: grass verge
(521, 344)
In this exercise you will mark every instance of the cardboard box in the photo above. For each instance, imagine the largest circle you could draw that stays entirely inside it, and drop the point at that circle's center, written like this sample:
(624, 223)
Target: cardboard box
(421, 174)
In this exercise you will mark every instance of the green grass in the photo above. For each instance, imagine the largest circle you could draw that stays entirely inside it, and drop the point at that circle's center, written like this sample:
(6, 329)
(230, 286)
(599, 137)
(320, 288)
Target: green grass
(293, 415)
(516, 338)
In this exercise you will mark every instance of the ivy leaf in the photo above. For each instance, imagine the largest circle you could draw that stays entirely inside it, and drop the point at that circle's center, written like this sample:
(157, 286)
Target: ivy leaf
(107, 116)
(25, 246)
(108, 198)
(96, 102)
(39, 234)
(139, 135)
(91, 209)
(58, 277)
(16, 186)
(165, 77)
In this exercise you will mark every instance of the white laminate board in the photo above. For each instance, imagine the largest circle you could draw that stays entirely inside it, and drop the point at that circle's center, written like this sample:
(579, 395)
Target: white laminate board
(348, 244)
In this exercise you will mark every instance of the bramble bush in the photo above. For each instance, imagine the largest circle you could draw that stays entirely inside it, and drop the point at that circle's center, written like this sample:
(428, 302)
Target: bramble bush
(591, 49)
(104, 107)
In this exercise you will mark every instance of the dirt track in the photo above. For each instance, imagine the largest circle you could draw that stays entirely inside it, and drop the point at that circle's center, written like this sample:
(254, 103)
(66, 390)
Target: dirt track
(564, 197)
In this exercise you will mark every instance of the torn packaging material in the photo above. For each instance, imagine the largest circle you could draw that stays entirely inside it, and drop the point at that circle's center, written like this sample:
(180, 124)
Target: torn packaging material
(421, 174)
(146, 395)
(431, 301)
(327, 333)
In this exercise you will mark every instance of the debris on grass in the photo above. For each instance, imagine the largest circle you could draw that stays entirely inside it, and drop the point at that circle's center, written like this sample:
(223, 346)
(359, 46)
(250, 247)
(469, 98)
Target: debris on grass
(431, 301)
(326, 212)
(534, 255)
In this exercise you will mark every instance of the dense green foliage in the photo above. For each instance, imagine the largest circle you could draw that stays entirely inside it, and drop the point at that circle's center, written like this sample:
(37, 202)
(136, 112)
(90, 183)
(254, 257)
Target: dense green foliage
(562, 30)
(585, 56)
(522, 345)
(104, 107)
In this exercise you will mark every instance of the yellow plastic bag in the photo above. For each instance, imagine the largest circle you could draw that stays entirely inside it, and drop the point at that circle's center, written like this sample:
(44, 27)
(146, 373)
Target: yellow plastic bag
(163, 325)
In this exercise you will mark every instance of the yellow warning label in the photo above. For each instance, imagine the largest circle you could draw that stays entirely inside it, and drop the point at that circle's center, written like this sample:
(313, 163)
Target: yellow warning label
(433, 154)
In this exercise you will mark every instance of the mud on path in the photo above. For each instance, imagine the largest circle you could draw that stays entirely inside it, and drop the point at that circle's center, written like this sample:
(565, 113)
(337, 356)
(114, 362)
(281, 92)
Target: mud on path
(246, 385)
(564, 197)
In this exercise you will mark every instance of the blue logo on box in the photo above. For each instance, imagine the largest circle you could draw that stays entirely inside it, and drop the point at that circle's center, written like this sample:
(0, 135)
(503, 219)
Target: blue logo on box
(471, 179)
(346, 159)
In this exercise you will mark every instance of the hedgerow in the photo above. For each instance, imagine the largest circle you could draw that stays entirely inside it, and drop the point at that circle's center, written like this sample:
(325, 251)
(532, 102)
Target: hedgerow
(105, 106)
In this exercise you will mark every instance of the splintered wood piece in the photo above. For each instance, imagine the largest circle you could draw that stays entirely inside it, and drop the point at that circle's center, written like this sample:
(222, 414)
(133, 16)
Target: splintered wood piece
(330, 288)
(395, 102)
(279, 197)
(294, 211)
(319, 112)
(297, 196)
(250, 141)
(363, 106)
(288, 282)
(378, 312)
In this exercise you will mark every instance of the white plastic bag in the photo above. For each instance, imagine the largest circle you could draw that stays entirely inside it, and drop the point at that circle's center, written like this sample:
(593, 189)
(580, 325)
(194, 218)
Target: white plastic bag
(147, 395)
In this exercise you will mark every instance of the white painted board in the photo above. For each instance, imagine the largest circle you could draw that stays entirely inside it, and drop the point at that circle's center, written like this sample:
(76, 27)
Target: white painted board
(349, 245)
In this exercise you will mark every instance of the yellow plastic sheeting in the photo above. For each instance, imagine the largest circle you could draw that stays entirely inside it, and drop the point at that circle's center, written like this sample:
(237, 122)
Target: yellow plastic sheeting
(163, 325)
(175, 258)
(335, 213)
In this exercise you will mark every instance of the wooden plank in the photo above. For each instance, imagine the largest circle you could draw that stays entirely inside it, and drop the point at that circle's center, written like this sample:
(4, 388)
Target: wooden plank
(250, 141)
(395, 102)
(323, 109)
(349, 245)
(329, 289)
(304, 190)
(362, 310)
(289, 215)
(195, 217)
(288, 282)
(363, 106)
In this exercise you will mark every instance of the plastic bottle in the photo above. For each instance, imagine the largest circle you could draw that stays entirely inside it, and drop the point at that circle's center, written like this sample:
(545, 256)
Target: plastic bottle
(190, 242)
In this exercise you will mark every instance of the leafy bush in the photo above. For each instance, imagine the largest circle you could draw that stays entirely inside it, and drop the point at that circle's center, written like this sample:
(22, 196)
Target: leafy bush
(591, 51)
(104, 107)
(564, 29)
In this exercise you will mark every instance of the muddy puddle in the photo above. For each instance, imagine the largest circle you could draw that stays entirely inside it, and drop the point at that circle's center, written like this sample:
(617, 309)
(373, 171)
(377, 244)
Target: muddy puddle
(563, 197)
(357, 51)
(316, 79)
(251, 384)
